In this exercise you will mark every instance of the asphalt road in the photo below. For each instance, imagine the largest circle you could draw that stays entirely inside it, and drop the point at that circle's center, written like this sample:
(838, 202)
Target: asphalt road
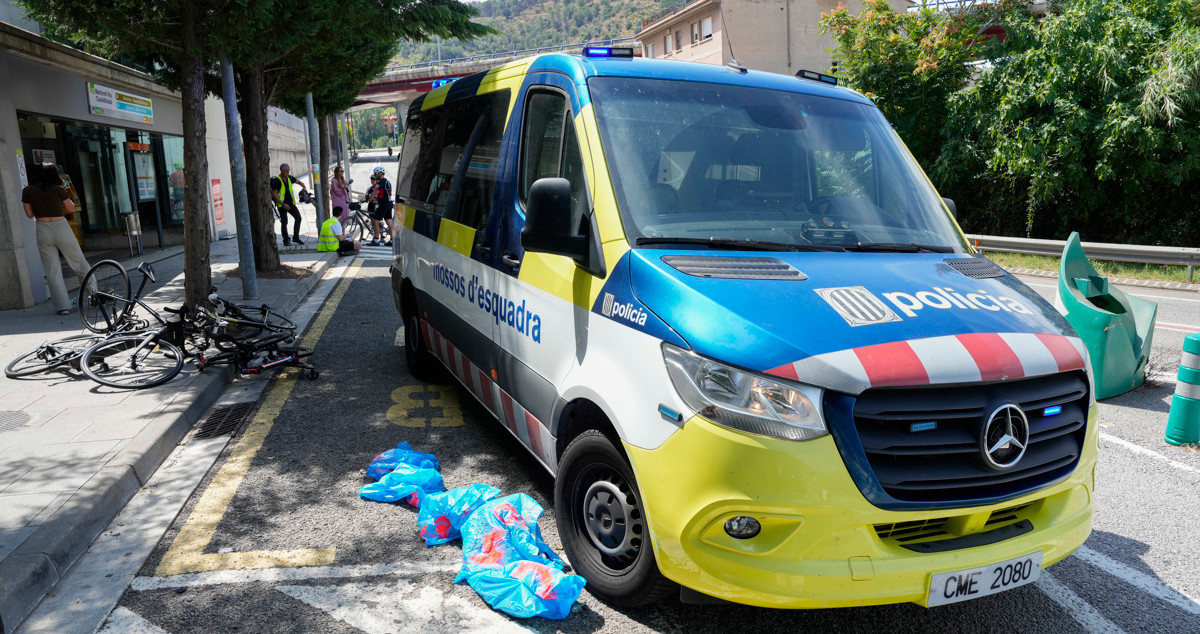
(276, 537)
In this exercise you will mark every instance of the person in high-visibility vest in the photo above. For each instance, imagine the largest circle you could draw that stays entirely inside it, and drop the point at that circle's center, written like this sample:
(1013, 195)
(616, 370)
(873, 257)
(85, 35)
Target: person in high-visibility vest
(333, 238)
(285, 201)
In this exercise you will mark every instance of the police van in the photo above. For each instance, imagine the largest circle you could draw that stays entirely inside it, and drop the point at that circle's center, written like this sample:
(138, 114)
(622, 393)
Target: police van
(730, 314)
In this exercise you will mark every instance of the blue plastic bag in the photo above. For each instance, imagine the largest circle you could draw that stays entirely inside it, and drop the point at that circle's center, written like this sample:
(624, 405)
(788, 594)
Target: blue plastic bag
(529, 588)
(406, 483)
(443, 514)
(508, 563)
(386, 462)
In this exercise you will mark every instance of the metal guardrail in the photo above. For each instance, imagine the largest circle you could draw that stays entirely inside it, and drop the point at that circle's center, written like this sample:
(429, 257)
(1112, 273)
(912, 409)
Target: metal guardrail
(1179, 256)
(521, 53)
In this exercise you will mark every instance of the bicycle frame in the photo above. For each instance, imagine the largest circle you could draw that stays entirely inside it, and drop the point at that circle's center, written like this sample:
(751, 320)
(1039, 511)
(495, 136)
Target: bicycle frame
(115, 324)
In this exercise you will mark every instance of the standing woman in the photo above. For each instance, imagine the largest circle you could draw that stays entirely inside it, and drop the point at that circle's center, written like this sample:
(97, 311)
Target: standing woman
(47, 202)
(339, 189)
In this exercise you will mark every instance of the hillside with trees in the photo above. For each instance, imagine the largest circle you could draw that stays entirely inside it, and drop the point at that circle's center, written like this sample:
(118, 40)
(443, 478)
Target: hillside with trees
(526, 24)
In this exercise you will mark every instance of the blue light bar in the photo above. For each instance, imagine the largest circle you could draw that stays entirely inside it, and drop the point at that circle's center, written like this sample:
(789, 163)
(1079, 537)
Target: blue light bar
(608, 51)
(438, 83)
(1051, 411)
(915, 427)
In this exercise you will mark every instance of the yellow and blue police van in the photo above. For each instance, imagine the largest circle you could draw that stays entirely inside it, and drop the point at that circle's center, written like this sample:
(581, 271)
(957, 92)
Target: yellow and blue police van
(731, 316)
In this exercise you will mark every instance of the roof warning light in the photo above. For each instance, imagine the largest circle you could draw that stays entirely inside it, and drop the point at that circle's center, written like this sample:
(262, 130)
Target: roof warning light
(608, 51)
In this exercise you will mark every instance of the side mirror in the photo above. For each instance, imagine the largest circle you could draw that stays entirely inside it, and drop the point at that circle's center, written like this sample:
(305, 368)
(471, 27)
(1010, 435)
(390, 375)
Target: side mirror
(951, 206)
(548, 226)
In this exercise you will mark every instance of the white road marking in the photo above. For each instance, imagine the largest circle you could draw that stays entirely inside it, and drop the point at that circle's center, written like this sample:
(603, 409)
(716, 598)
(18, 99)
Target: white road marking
(1087, 616)
(399, 606)
(1140, 580)
(399, 340)
(124, 621)
(1146, 452)
(269, 575)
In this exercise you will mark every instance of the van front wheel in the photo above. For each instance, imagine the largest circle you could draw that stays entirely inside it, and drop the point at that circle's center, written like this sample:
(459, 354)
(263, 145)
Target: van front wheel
(422, 365)
(603, 525)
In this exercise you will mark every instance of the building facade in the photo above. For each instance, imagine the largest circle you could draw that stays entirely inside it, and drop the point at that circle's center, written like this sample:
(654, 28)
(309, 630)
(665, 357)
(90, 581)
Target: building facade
(778, 36)
(116, 137)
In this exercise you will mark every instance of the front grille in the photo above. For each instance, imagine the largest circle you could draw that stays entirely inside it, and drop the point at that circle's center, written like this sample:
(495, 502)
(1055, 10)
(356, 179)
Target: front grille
(922, 445)
(937, 529)
(904, 532)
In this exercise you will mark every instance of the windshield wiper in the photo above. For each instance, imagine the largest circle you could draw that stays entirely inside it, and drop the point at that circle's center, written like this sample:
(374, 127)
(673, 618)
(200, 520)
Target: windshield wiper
(745, 245)
(899, 247)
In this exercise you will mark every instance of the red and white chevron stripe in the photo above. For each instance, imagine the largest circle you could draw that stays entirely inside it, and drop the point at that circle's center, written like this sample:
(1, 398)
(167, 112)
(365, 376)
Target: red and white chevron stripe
(528, 429)
(964, 358)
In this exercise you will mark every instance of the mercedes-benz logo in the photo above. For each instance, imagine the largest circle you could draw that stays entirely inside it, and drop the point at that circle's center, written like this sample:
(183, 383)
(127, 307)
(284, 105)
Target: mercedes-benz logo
(1004, 438)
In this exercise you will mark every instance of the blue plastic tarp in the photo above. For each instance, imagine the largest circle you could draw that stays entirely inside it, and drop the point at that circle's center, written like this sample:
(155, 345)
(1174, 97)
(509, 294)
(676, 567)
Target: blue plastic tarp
(443, 514)
(508, 563)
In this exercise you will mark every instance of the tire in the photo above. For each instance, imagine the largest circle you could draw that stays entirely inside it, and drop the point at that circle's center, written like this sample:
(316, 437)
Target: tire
(255, 316)
(123, 362)
(104, 297)
(602, 524)
(49, 355)
(422, 365)
(354, 227)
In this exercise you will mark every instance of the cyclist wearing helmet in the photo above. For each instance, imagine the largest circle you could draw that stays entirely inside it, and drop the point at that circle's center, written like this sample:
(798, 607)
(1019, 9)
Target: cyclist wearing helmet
(381, 194)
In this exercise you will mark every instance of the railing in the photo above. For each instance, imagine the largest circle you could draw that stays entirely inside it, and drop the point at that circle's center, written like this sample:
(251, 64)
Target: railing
(1178, 256)
(521, 53)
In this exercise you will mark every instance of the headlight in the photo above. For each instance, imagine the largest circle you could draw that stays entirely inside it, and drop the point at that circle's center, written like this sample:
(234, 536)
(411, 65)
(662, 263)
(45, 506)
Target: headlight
(745, 401)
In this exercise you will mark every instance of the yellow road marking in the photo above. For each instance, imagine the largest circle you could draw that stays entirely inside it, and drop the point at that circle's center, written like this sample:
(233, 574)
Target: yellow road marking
(408, 398)
(186, 553)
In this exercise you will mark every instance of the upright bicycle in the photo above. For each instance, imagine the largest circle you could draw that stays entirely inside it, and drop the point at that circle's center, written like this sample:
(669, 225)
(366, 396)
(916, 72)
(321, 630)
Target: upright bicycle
(139, 359)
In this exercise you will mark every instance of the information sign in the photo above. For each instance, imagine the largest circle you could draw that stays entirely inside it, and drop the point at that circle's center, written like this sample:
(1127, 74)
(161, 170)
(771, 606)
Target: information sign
(110, 102)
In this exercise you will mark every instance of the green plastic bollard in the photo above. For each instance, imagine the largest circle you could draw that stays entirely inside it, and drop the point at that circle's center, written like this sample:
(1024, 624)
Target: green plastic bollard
(1116, 328)
(1183, 424)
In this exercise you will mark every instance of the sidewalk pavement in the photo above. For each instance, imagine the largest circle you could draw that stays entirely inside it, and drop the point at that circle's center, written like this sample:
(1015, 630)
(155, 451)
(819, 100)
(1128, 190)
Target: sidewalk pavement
(73, 452)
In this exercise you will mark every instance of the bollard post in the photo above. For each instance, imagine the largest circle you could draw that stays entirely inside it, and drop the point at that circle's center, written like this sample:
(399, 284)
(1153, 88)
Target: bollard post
(1183, 423)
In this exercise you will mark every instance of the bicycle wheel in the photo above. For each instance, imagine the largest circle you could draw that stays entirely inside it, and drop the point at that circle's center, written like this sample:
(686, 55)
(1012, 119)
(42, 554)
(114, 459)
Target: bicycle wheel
(104, 296)
(124, 362)
(358, 228)
(49, 355)
(255, 319)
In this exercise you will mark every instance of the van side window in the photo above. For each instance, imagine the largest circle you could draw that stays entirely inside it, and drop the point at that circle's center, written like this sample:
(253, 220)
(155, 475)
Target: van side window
(549, 147)
(462, 189)
(423, 161)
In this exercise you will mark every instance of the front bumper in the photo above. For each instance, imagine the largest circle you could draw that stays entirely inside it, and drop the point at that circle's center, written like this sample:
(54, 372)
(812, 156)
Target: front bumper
(820, 546)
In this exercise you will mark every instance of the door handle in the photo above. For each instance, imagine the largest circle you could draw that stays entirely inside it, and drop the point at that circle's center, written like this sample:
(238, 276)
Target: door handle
(510, 260)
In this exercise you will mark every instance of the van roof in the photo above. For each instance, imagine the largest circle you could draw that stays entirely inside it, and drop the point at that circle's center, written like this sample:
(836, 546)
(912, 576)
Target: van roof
(580, 69)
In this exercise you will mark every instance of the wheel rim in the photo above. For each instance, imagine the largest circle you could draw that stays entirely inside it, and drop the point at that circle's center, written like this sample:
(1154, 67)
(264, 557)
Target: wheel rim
(611, 519)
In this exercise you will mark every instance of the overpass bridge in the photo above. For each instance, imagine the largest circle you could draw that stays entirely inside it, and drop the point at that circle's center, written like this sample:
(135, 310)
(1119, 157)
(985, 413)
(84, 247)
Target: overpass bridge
(399, 85)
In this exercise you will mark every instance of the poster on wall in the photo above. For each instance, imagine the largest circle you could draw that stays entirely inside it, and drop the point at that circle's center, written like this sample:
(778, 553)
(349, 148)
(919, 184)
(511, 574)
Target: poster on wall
(143, 167)
(43, 156)
(218, 201)
(118, 104)
(21, 173)
(74, 220)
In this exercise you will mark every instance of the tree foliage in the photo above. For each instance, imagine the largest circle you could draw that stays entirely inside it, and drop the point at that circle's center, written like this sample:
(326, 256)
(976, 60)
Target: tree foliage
(1086, 118)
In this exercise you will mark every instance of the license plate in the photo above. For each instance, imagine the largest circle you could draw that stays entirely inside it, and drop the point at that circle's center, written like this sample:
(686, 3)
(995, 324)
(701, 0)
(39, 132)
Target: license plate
(963, 585)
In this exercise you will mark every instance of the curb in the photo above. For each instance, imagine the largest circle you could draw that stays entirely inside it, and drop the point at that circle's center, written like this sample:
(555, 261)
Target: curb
(32, 571)
(1121, 281)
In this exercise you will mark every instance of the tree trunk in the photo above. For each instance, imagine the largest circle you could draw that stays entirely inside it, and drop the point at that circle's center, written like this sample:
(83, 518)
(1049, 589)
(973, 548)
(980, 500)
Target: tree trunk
(253, 109)
(323, 153)
(197, 274)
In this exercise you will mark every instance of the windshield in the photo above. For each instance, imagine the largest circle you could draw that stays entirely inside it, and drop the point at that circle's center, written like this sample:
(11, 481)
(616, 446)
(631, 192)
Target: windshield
(696, 163)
